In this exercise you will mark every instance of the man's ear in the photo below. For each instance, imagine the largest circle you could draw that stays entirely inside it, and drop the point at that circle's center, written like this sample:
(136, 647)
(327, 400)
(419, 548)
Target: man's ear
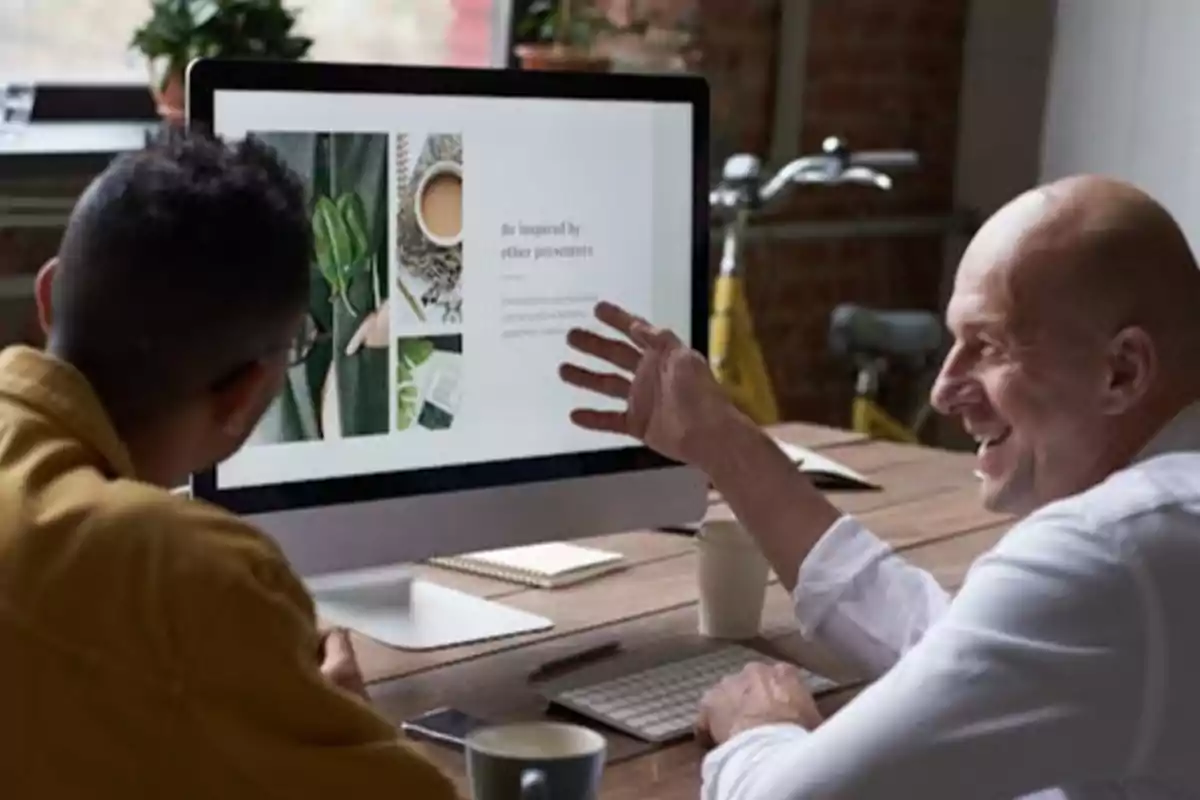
(43, 291)
(1132, 362)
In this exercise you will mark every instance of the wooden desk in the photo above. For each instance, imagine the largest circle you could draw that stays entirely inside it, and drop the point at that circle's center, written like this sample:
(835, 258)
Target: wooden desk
(928, 509)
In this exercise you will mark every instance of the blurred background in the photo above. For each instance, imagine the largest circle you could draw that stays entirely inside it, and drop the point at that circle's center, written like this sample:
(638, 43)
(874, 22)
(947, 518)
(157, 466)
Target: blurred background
(994, 95)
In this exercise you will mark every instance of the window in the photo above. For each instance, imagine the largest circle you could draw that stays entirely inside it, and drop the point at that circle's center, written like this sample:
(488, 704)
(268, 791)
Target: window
(86, 41)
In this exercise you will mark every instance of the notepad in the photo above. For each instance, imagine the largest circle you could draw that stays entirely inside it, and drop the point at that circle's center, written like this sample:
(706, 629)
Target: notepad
(824, 471)
(549, 565)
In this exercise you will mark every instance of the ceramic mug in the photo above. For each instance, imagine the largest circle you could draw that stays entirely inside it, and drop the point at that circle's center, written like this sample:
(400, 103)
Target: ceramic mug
(535, 761)
(438, 204)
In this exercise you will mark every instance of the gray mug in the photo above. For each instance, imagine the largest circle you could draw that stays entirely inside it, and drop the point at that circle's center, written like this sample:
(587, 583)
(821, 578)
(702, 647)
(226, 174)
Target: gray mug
(535, 761)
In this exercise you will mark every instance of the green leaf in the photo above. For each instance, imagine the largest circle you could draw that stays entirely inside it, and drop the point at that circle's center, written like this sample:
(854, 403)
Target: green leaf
(534, 26)
(407, 395)
(203, 10)
(331, 242)
(295, 48)
(178, 29)
(354, 214)
(414, 352)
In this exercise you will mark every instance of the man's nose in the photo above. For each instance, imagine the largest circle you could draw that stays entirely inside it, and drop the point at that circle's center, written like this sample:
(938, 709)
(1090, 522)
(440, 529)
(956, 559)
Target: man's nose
(953, 386)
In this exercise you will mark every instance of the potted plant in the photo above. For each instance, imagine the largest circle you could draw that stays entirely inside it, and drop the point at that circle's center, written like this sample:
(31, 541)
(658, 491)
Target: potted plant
(560, 35)
(181, 30)
(651, 41)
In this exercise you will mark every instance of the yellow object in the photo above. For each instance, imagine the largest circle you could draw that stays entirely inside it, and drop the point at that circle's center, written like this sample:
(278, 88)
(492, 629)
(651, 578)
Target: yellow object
(872, 420)
(738, 364)
(155, 646)
(734, 353)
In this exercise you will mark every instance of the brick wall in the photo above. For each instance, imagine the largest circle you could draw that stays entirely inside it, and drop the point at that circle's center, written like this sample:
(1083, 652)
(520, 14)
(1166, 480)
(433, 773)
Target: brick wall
(737, 46)
(22, 252)
(882, 74)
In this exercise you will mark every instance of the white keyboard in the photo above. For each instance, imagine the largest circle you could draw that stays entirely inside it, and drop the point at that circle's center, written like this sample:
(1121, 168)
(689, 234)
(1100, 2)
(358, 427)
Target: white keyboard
(661, 702)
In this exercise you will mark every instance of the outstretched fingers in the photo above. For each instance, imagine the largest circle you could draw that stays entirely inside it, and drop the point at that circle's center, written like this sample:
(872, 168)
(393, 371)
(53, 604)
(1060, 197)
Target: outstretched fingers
(603, 421)
(616, 317)
(638, 330)
(620, 354)
(605, 383)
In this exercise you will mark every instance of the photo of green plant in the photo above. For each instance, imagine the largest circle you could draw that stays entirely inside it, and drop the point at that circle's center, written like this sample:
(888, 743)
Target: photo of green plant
(428, 375)
(342, 387)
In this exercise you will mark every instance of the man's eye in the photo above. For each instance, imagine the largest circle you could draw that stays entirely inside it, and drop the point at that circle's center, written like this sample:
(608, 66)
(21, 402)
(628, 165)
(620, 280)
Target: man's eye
(988, 349)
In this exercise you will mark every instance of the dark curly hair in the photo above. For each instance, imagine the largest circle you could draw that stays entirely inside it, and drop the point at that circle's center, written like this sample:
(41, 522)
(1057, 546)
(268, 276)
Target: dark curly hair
(181, 263)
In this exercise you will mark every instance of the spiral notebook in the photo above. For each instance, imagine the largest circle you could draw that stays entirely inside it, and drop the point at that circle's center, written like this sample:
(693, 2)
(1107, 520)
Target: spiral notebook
(549, 565)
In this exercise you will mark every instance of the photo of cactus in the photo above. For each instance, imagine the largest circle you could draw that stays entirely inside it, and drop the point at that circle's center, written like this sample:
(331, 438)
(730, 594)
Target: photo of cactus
(341, 385)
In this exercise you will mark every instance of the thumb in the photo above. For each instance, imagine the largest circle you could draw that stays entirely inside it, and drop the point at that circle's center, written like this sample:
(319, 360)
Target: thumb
(339, 665)
(337, 648)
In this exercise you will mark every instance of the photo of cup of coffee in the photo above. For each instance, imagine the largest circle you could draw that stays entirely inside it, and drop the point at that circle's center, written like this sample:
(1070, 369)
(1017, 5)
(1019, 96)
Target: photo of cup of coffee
(439, 203)
(430, 232)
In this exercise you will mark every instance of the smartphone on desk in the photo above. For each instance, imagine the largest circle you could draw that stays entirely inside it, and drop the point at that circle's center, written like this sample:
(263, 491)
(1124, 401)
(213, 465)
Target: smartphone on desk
(445, 726)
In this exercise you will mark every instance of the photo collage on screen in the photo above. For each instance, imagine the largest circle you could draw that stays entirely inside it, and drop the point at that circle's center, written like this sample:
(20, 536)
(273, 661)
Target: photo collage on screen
(381, 347)
(427, 308)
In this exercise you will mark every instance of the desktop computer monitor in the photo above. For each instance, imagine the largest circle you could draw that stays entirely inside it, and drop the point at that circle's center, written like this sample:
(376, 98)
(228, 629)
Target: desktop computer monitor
(464, 220)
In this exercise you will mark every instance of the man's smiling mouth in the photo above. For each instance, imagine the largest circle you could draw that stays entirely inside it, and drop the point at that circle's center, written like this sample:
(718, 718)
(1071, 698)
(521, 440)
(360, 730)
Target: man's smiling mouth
(992, 440)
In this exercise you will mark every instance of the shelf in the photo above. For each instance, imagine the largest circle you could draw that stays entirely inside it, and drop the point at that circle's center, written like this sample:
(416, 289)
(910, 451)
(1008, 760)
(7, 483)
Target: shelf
(67, 148)
(74, 138)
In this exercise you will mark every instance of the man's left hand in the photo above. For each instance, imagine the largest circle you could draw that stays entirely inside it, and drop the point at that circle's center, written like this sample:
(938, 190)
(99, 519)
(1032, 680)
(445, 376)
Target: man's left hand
(339, 664)
(761, 694)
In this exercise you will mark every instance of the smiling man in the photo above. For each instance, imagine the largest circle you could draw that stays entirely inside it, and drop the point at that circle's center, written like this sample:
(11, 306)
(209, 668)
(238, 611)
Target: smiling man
(1066, 664)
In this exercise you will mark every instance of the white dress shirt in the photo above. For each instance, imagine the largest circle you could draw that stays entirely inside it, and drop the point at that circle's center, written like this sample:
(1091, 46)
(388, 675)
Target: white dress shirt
(1070, 658)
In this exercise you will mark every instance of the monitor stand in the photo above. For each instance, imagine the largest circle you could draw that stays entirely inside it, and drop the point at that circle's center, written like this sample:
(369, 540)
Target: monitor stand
(391, 606)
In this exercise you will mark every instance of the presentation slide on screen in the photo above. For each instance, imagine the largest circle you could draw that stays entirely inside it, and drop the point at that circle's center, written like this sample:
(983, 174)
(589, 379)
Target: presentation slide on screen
(457, 240)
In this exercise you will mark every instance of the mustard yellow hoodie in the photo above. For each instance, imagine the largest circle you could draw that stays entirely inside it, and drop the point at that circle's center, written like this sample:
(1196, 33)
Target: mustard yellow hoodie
(152, 645)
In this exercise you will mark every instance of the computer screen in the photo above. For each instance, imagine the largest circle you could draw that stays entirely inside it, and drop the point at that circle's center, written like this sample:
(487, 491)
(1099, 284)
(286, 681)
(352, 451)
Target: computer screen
(458, 237)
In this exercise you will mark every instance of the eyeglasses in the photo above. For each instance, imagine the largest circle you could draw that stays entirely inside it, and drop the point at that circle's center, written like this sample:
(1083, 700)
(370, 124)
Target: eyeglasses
(299, 350)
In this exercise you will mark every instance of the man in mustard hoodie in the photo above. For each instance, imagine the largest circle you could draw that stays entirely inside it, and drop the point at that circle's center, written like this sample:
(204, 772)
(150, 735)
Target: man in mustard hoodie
(151, 645)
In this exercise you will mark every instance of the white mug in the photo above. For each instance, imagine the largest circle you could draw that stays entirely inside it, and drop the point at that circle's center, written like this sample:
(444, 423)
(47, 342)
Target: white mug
(437, 170)
(732, 574)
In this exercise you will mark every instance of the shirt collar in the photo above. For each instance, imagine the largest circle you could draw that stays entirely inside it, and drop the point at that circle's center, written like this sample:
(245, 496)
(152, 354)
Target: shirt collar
(57, 390)
(1181, 434)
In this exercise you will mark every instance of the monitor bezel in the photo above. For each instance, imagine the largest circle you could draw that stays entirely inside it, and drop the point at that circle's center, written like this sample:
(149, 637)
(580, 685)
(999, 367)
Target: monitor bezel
(205, 77)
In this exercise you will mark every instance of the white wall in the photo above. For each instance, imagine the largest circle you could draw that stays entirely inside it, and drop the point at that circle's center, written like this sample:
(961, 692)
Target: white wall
(1006, 56)
(1124, 98)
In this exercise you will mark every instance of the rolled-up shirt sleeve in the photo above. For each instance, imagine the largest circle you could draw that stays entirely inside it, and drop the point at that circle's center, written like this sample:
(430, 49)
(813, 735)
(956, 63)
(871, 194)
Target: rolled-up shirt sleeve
(862, 601)
(1031, 679)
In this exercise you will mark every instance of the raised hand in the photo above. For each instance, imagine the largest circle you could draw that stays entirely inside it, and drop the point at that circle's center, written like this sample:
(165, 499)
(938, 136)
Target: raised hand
(673, 403)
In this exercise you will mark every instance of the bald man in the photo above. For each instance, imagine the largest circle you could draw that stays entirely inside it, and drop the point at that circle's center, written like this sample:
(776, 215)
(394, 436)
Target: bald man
(1069, 662)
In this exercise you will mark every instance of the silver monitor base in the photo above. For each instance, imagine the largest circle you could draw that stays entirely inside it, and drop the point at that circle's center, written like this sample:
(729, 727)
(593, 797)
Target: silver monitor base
(392, 607)
(324, 539)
